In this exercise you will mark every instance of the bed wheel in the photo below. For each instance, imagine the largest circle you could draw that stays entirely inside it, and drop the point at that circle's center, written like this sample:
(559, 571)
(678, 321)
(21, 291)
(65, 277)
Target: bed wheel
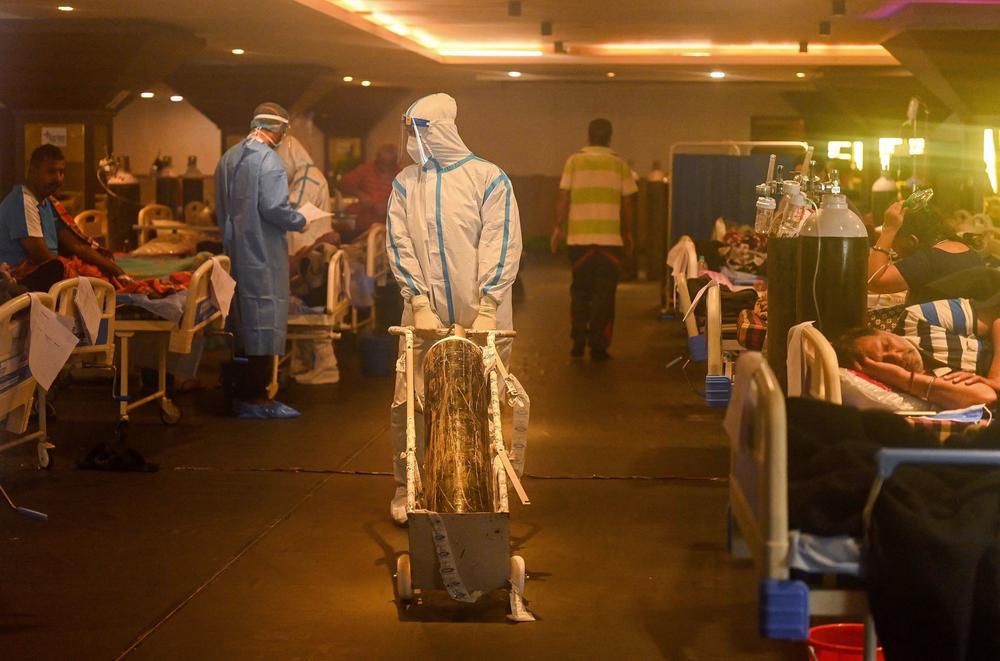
(170, 414)
(404, 582)
(45, 460)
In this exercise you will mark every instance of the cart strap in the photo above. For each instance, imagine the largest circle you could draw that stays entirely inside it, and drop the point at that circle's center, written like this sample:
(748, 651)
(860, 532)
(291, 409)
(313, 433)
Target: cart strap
(446, 562)
(517, 399)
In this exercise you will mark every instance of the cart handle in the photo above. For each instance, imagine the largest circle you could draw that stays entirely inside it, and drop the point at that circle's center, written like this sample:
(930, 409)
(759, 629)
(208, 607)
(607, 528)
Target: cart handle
(445, 332)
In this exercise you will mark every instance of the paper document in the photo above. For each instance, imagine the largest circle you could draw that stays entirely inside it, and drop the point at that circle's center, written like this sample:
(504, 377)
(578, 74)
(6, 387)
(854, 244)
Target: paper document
(88, 309)
(49, 345)
(222, 287)
(313, 212)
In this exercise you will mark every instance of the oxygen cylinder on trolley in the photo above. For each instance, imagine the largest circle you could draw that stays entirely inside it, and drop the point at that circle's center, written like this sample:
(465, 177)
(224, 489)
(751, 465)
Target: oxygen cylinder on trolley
(458, 471)
(833, 267)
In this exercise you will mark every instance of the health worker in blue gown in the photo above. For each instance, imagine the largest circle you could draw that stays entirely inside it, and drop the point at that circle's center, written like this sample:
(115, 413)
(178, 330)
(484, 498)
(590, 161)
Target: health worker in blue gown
(251, 189)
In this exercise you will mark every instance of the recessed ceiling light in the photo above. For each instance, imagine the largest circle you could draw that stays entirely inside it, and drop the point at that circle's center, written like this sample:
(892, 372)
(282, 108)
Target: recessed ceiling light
(348, 79)
(696, 53)
(146, 95)
(64, 8)
(398, 28)
(176, 98)
(514, 74)
(237, 51)
(800, 74)
(717, 74)
(366, 83)
(610, 74)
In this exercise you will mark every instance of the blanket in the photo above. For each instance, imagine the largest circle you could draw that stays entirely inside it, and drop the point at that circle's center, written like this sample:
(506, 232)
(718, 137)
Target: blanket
(933, 558)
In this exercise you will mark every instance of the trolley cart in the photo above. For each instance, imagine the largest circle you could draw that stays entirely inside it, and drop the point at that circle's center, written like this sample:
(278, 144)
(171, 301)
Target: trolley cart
(466, 554)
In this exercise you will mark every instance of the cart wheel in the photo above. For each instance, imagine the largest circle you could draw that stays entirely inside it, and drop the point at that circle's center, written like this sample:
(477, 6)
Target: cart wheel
(170, 414)
(45, 460)
(404, 582)
(517, 574)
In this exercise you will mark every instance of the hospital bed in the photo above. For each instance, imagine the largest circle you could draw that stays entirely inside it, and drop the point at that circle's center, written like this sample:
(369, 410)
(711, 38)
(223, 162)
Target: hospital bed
(372, 242)
(722, 348)
(325, 325)
(714, 342)
(96, 352)
(758, 500)
(17, 386)
(200, 314)
(685, 267)
(160, 234)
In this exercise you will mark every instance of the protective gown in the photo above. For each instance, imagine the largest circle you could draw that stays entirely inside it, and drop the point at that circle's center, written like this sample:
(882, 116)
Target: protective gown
(252, 203)
(454, 235)
(306, 183)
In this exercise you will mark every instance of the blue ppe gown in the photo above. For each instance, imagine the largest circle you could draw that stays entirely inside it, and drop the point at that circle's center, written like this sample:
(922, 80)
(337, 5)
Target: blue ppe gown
(251, 192)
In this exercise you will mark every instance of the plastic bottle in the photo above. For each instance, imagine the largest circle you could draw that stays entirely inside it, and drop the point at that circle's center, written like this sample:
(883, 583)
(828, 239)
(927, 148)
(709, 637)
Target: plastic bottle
(702, 264)
(765, 214)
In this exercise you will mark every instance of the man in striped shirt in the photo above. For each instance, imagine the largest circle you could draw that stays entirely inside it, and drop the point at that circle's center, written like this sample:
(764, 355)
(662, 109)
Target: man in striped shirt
(595, 215)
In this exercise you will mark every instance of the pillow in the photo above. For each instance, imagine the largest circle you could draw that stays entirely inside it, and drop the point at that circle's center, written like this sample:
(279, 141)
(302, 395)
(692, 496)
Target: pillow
(864, 392)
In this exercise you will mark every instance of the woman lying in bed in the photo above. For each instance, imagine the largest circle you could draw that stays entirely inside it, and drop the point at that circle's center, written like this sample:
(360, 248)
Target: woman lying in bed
(943, 353)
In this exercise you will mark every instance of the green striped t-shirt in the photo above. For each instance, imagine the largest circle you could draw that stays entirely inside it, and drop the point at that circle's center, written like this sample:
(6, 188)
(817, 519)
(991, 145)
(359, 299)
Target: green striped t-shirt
(596, 178)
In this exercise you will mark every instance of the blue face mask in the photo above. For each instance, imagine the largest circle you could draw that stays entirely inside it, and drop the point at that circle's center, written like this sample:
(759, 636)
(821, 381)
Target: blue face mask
(970, 415)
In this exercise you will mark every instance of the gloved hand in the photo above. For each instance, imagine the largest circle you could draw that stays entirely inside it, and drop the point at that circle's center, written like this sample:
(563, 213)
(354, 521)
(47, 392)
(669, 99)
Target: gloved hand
(423, 317)
(486, 320)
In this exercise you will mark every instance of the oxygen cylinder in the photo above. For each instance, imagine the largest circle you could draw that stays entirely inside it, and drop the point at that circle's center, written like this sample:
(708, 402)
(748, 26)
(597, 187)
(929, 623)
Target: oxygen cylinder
(458, 472)
(192, 183)
(883, 195)
(168, 189)
(123, 206)
(833, 268)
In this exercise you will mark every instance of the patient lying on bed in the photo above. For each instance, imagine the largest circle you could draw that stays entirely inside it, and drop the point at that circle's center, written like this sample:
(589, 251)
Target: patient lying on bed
(942, 353)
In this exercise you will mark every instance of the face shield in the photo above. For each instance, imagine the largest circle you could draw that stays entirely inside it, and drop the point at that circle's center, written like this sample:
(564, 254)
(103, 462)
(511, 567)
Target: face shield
(412, 142)
(274, 124)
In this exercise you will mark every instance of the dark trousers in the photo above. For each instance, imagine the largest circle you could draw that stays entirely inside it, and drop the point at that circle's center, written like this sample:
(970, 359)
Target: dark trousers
(253, 377)
(592, 294)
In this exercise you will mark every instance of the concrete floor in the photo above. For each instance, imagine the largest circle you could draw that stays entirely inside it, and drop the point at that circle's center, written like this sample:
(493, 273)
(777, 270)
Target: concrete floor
(227, 553)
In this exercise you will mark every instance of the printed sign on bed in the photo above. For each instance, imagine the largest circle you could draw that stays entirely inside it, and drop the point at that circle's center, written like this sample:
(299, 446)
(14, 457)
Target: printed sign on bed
(50, 343)
(222, 287)
(88, 309)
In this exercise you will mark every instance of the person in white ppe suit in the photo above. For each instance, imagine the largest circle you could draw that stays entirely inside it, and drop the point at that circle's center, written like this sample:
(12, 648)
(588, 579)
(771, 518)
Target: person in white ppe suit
(313, 361)
(454, 239)
(306, 183)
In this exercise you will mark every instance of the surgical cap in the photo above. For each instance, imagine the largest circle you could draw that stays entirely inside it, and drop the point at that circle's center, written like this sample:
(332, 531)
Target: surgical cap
(269, 116)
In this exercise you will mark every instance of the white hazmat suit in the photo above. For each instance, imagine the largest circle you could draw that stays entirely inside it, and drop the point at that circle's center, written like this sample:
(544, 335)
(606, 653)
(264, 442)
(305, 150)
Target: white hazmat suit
(313, 361)
(454, 242)
(306, 183)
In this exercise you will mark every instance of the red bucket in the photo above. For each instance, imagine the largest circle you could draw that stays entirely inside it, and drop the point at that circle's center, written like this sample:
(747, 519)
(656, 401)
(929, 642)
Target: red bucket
(838, 642)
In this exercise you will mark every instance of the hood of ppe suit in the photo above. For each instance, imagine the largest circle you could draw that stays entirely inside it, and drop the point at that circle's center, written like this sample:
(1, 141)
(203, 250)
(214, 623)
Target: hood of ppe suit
(440, 138)
(293, 156)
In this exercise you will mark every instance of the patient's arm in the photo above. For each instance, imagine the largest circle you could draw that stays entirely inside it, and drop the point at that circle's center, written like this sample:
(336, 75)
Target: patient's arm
(71, 244)
(950, 392)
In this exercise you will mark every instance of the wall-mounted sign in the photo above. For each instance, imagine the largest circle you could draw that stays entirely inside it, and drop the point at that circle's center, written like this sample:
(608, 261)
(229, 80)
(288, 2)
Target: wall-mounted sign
(54, 135)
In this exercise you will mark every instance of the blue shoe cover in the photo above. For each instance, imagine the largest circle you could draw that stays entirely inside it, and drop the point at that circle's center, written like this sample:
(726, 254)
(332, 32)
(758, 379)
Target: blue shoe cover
(280, 411)
(271, 411)
(246, 411)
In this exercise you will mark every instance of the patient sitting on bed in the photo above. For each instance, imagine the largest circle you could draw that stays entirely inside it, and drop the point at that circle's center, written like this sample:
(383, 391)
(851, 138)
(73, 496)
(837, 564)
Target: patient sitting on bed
(943, 353)
(38, 239)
